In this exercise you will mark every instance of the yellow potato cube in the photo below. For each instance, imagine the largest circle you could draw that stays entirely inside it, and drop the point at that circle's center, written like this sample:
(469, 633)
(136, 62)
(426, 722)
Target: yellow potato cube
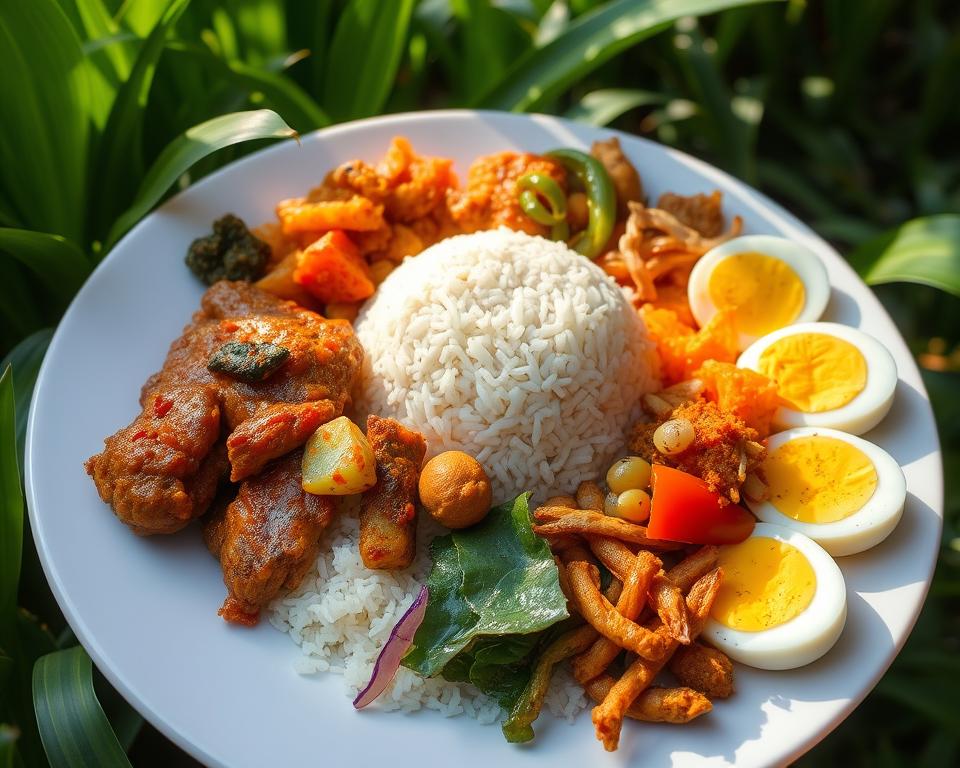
(338, 460)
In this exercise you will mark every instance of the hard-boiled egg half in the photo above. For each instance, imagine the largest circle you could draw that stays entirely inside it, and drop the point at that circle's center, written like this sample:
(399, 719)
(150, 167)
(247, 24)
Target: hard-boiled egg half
(827, 375)
(782, 602)
(843, 492)
(765, 282)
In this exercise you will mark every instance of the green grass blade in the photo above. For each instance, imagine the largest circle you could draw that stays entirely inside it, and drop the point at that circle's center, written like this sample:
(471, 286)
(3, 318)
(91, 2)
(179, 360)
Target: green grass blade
(8, 745)
(74, 729)
(121, 162)
(193, 145)
(44, 91)
(925, 250)
(589, 41)
(364, 55)
(59, 264)
(24, 359)
(11, 514)
(606, 105)
(289, 99)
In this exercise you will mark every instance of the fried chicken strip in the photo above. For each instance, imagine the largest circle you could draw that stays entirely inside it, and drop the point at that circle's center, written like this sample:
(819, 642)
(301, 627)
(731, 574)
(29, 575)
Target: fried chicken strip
(388, 510)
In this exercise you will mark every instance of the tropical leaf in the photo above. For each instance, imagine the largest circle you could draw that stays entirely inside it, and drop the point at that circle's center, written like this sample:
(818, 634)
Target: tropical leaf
(43, 111)
(490, 40)
(8, 745)
(73, 727)
(191, 146)
(288, 98)
(59, 264)
(363, 57)
(589, 41)
(925, 251)
(11, 514)
(24, 360)
(604, 106)
(120, 163)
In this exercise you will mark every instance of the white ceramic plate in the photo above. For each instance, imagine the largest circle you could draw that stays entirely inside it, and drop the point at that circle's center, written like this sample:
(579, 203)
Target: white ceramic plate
(145, 609)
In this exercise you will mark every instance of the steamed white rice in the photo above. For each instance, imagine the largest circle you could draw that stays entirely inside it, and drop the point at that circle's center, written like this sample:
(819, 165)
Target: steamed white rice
(512, 348)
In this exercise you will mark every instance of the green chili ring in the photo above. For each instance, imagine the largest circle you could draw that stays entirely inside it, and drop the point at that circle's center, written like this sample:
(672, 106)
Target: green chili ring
(601, 199)
(532, 187)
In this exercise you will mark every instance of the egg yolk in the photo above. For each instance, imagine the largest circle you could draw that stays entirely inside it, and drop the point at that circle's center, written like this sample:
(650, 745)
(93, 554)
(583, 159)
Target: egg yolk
(819, 479)
(763, 292)
(815, 372)
(766, 583)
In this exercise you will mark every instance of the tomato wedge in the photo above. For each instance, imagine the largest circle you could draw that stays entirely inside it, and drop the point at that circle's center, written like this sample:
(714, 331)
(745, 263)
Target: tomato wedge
(685, 509)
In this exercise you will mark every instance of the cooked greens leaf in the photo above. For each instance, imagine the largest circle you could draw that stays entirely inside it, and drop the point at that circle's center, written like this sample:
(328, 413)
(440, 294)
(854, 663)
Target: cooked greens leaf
(488, 583)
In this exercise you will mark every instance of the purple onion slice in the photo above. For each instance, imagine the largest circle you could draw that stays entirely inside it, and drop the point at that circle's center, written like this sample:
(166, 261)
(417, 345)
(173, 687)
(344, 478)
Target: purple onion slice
(388, 662)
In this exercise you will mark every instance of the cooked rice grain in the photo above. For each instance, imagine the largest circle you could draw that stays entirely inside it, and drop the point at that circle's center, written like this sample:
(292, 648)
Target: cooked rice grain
(512, 348)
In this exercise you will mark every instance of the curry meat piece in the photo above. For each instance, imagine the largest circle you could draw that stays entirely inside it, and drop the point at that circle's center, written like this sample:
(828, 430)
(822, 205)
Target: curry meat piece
(388, 510)
(623, 174)
(490, 198)
(263, 420)
(718, 454)
(163, 469)
(267, 538)
(408, 186)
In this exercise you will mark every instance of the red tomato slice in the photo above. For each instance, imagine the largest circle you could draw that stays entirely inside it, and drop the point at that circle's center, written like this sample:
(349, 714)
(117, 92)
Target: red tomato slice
(685, 509)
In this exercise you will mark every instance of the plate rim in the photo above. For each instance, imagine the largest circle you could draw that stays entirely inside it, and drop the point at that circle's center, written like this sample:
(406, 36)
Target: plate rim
(705, 170)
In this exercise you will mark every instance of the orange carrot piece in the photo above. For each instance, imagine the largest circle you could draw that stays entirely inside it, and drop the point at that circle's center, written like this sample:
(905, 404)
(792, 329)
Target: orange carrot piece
(333, 270)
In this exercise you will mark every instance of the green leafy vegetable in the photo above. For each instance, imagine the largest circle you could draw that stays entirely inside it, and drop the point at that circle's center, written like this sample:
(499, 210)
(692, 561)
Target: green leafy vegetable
(192, 145)
(231, 252)
(74, 730)
(250, 362)
(493, 589)
(925, 251)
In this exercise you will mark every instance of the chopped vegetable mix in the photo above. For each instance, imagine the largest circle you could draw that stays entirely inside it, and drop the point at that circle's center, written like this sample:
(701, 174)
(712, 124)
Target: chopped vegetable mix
(250, 362)
(230, 253)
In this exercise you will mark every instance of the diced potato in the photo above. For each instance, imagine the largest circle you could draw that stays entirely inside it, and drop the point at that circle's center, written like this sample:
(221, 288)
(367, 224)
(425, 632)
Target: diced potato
(338, 460)
(357, 213)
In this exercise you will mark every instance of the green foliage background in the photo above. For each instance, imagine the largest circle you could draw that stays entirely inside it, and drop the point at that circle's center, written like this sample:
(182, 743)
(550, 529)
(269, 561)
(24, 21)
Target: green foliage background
(846, 111)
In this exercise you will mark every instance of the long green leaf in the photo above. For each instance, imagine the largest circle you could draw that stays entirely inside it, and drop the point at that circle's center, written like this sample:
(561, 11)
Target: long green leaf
(8, 745)
(925, 250)
(363, 57)
(588, 42)
(11, 514)
(59, 264)
(24, 359)
(120, 163)
(606, 105)
(74, 730)
(191, 146)
(289, 99)
(44, 91)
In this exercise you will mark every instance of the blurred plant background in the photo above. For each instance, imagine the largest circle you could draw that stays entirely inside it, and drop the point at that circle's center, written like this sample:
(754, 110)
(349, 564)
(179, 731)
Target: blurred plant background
(845, 111)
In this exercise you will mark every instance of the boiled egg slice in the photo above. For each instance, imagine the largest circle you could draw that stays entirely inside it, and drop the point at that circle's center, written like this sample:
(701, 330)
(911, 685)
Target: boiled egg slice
(782, 602)
(763, 282)
(827, 375)
(843, 492)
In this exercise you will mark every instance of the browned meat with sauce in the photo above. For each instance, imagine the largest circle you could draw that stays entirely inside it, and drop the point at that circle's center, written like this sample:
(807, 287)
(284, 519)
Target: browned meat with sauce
(263, 420)
(626, 180)
(267, 538)
(490, 198)
(723, 452)
(161, 471)
(703, 213)
(388, 510)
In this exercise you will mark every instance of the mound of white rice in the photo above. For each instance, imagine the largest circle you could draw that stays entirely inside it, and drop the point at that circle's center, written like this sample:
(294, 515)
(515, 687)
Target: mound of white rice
(512, 348)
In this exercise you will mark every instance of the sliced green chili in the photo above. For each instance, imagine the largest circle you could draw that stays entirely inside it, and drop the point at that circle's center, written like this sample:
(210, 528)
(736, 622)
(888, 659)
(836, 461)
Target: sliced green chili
(601, 199)
(533, 187)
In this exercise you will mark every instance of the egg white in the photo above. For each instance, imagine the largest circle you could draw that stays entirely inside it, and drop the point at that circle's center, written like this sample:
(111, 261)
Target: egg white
(808, 635)
(804, 262)
(861, 414)
(866, 527)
